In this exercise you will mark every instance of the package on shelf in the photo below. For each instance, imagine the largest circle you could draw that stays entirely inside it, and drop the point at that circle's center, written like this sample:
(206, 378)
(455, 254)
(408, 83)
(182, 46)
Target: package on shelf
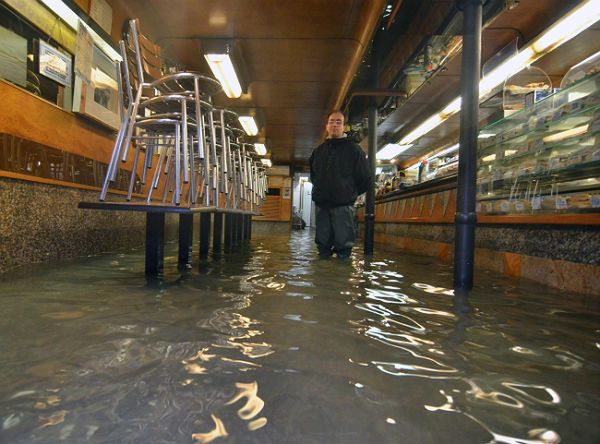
(579, 200)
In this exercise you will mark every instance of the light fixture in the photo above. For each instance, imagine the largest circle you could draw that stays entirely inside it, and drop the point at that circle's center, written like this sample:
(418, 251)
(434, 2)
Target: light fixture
(71, 18)
(570, 25)
(249, 125)
(267, 162)
(260, 149)
(223, 70)
(485, 135)
(391, 150)
(510, 66)
(446, 151)
(422, 129)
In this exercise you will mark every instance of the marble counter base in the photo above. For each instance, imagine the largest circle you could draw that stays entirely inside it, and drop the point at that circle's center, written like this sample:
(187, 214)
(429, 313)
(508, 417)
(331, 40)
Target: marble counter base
(567, 243)
(566, 275)
(40, 223)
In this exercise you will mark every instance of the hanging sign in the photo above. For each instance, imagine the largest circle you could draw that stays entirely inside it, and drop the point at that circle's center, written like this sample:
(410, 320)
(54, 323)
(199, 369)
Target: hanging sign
(55, 64)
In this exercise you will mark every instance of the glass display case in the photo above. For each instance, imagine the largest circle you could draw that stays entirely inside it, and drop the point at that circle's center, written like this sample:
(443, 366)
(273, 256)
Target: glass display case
(545, 157)
(441, 166)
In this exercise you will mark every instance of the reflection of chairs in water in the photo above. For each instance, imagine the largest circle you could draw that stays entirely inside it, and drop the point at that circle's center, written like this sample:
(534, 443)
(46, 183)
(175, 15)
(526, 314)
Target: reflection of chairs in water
(171, 121)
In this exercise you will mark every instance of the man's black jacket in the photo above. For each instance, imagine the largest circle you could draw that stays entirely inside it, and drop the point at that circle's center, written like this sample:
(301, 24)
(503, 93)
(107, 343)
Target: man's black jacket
(339, 172)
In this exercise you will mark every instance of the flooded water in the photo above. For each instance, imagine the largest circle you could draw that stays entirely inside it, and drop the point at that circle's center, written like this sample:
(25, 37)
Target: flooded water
(273, 345)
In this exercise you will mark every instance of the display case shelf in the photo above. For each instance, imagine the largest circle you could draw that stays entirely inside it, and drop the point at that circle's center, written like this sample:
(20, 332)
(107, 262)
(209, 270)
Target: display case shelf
(567, 122)
(545, 157)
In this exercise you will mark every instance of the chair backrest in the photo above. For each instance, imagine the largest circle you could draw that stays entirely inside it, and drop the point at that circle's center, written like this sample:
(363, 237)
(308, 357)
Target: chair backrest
(143, 56)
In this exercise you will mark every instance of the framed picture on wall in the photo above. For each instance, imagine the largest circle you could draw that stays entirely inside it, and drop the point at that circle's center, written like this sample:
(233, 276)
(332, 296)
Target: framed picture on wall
(55, 64)
(99, 98)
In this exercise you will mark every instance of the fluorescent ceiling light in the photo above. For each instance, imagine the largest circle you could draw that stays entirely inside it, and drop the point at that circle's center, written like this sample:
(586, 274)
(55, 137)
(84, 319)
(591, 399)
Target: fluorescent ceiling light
(485, 135)
(574, 22)
(452, 108)
(267, 162)
(260, 149)
(446, 151)
(510, 66)
(422, 129)
(249, 125)
(222, 68)
(69, 16)
(390, 151)
(569, 26)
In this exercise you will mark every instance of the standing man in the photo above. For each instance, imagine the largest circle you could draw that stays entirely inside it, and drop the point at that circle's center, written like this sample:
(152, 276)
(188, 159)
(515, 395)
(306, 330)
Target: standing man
(339, 172)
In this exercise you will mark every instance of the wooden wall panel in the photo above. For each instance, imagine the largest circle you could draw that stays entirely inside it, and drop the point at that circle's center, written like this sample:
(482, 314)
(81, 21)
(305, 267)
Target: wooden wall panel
(25, 115)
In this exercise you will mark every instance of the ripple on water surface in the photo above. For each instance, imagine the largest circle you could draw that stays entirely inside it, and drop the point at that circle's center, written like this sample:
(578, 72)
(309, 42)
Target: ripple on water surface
(273, 345)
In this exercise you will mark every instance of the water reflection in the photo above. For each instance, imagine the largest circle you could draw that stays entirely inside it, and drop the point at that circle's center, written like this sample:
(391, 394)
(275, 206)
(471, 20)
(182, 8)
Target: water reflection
(272, 345)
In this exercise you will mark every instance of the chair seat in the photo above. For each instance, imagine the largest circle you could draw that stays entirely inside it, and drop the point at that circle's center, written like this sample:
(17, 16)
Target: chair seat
(184, 82)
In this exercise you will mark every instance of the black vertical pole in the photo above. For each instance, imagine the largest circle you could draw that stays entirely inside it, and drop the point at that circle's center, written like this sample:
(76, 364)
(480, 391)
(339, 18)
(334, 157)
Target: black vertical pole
(217, 232)
(243, 228)
(228, 232)
(155, 243)
(237, 234)
(370, 200)
(240, 229)
(465, 217)
(186, 235)
(248, 226)
(204, 233)
(372, 142)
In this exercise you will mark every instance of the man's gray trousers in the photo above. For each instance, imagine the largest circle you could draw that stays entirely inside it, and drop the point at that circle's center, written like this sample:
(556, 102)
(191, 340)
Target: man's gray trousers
(335, 230)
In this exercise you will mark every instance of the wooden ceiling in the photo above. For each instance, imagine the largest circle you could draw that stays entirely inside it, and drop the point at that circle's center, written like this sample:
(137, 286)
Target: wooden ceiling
(299, 56)
(302, 57)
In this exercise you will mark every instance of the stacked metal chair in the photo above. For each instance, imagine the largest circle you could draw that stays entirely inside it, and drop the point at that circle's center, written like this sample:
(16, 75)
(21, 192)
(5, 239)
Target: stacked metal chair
(161, 111)
(170, 130)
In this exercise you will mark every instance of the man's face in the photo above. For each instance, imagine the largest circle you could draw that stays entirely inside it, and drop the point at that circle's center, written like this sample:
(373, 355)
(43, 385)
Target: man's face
(335, 126)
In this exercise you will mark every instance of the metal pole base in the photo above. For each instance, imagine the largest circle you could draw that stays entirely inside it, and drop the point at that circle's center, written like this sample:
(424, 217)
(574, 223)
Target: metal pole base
(369, 234)
(229, 231)
(205, 223)
(217, 233)
(464, 250)
(155, 243)
(186, 226)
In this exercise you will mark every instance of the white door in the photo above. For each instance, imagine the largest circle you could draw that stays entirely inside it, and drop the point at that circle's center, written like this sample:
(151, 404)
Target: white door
(306, 199)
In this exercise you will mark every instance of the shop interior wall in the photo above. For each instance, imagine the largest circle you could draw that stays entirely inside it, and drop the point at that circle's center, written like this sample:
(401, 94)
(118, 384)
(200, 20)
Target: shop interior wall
(41, 221)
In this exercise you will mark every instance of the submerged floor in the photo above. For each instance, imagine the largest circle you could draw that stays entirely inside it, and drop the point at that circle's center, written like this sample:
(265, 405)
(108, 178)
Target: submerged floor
(272, 345)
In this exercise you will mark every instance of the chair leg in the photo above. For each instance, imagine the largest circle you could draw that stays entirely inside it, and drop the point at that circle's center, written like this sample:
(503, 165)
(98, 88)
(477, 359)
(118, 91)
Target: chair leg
(156, 177)
(112, 165)
(177, 164)
(184, 141)
(192, 172)
(133, 171)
